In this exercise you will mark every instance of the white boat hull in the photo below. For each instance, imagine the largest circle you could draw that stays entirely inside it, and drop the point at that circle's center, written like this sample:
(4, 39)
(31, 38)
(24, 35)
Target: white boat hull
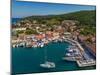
(48, 65)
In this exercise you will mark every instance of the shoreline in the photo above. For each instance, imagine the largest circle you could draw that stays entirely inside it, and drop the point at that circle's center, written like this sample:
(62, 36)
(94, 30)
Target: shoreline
(81, 62)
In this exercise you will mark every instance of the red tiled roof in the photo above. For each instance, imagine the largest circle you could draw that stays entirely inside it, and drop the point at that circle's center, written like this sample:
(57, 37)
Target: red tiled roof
(40, 36)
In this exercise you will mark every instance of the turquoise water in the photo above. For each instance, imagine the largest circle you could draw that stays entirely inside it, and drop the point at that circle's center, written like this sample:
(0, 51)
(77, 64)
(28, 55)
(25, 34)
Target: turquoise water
(28, 60)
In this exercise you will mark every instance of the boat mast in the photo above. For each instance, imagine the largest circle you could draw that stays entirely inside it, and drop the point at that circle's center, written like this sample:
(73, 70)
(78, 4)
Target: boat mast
(45, 55)
(45, 52)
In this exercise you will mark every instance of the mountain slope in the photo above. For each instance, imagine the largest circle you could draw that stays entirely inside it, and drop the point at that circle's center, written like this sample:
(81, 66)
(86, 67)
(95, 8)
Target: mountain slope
(84, 17)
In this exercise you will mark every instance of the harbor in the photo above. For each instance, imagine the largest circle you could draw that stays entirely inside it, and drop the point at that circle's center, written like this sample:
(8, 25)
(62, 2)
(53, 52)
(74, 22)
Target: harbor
(70, 51)
(28, 60)
(78, 53)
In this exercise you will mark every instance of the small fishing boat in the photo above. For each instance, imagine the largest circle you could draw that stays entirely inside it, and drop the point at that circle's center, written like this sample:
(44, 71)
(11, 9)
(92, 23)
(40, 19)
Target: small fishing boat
(28, 45)
(42, 45)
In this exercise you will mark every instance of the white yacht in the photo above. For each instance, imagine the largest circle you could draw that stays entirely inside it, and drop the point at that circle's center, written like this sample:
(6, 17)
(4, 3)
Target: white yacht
(72, 54)
(69, 58)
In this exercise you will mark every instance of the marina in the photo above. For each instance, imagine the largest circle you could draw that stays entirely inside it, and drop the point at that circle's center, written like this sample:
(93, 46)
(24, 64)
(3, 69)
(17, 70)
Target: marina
(79, 55)
(38, 62)
(72, 50)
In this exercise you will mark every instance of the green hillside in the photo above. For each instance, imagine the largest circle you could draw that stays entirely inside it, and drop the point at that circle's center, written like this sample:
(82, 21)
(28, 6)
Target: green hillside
(84, 17)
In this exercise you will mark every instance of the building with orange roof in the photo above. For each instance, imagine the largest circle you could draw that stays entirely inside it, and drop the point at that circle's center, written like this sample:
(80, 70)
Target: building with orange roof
(49, 34)
(40, 36)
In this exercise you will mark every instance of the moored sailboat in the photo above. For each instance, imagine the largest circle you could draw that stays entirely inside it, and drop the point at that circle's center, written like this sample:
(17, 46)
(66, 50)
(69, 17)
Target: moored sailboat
(47, 64)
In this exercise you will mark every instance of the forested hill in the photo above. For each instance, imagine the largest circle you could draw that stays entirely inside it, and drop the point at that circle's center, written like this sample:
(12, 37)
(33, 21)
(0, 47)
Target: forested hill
(84, 17)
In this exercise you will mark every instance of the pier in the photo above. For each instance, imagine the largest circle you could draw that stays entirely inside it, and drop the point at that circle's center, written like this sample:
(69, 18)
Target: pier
(85, 63)
(84, 59)
(73, 42)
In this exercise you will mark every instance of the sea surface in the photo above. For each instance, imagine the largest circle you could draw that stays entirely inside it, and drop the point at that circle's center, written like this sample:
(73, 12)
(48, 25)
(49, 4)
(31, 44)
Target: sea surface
(14, 20)
(28, 60)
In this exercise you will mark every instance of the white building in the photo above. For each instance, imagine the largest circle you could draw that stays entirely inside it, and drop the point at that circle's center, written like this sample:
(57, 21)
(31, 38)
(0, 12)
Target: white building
(21, 28)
